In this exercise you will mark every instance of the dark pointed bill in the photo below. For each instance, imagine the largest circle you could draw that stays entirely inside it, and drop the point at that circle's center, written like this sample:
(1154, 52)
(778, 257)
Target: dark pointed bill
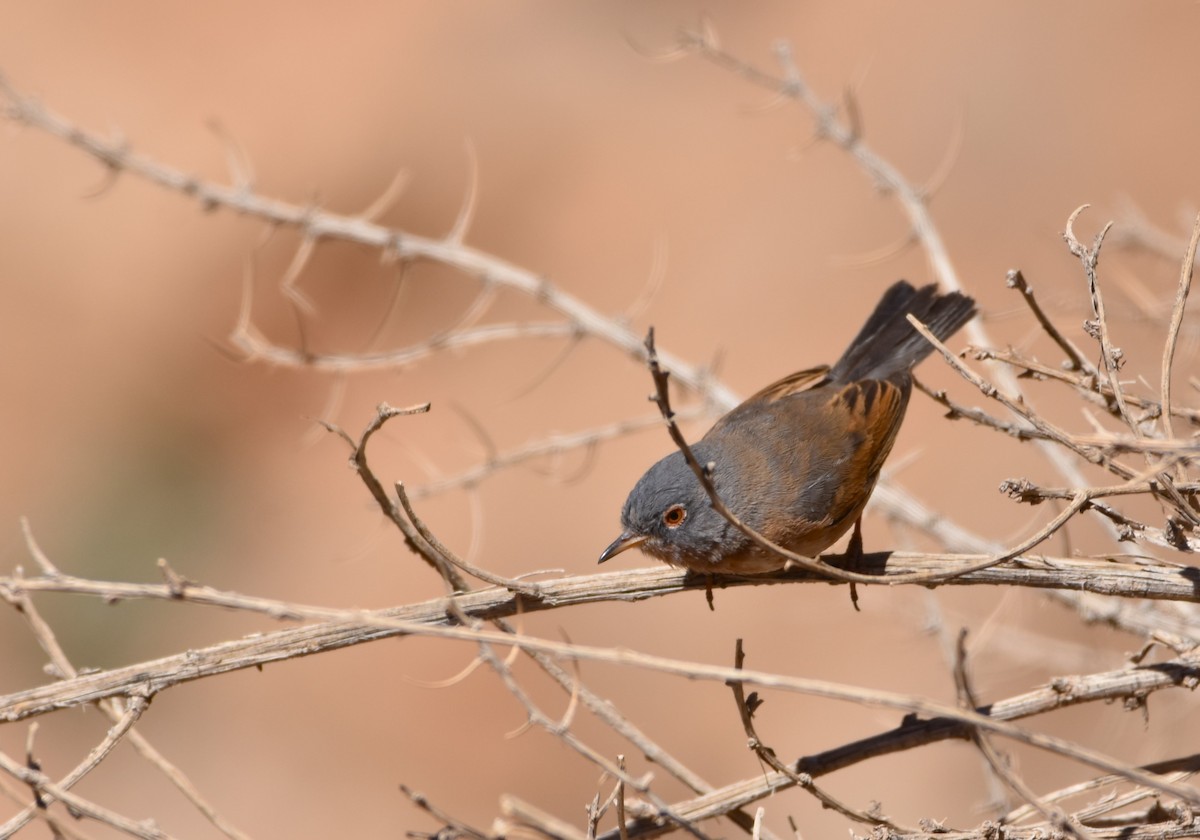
(621, 543)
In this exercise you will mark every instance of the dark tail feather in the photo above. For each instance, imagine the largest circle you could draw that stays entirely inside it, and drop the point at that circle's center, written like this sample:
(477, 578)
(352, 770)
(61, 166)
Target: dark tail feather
(888, 344)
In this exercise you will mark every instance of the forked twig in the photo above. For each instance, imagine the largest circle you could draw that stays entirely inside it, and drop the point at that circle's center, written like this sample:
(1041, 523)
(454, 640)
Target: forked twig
(999, 762)
(746, 709)
(1016, 280)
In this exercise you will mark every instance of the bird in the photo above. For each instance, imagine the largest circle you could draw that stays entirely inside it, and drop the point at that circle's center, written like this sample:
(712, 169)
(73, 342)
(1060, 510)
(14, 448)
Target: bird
(797, 461)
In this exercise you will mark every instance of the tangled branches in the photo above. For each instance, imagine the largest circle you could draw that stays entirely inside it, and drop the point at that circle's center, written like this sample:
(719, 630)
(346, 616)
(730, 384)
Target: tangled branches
(1140, 439)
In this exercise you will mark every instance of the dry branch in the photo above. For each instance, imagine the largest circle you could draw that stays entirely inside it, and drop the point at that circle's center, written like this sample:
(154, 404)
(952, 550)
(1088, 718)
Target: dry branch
(460, 615)
(347, 627)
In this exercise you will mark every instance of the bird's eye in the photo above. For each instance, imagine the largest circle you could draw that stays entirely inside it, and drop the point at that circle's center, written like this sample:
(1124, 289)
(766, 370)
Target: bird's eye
(674, 516)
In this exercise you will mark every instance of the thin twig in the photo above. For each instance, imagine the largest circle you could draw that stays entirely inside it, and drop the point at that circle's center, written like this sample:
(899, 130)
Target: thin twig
(1000, 763)
(1098, 328)
(412, 536)
(1061, 692)
(84, 807)
(746, 708)
(1016, 280)
(1088, 384)
(1178, 769)
(956, 411)
(1112, 356)
(1185, 285)
(114, 710)
(421, 801)
(1021, 409)
(530, 590)
(133, 710)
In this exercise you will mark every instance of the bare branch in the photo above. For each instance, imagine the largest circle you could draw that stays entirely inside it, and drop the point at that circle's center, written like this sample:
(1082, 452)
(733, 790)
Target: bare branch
(49, 790)
(1016, 280)
(913, 732)
(1000, 763)
(1185, 285)
(746, 708)
(315, 224)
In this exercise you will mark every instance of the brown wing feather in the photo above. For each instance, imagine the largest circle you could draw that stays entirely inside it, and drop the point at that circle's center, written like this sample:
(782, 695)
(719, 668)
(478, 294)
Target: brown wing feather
(801, 380)
(871, 410)
(812, 459)
(796, 383)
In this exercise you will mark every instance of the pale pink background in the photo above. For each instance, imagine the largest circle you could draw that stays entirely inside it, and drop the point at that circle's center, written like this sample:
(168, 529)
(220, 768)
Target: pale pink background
(127, 437)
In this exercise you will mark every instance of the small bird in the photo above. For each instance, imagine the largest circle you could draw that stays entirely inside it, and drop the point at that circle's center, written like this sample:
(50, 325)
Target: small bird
(798, 460)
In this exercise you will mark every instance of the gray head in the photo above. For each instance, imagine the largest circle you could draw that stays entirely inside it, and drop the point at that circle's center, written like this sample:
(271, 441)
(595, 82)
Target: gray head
(669, 516)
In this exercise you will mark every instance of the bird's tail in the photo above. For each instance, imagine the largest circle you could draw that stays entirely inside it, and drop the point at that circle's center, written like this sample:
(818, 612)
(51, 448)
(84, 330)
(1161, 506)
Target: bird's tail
(888, 344)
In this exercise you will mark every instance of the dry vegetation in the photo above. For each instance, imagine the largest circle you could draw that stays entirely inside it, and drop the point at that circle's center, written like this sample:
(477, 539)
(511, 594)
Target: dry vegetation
(1125, 485)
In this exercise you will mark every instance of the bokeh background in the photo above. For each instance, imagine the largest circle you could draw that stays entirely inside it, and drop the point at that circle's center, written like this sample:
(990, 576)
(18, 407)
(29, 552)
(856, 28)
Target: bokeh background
(129, 436)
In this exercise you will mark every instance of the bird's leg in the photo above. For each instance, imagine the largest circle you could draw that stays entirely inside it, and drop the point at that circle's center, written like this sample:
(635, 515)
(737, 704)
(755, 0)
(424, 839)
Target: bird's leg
(854, 556)
(854, 549)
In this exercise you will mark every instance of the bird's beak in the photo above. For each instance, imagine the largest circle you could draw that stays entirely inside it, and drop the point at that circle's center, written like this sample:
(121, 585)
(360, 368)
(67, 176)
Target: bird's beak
(621, 543)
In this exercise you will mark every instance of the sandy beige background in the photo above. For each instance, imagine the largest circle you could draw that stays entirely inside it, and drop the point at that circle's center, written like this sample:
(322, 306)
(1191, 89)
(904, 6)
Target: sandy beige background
(127, 437)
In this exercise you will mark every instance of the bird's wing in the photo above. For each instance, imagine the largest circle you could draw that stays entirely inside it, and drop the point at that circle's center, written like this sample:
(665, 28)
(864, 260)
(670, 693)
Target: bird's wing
(870, 411)
(801, 380)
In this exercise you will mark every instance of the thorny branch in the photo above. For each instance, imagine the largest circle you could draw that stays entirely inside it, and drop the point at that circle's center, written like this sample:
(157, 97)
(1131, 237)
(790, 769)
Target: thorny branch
(458, 616)
(317, 225)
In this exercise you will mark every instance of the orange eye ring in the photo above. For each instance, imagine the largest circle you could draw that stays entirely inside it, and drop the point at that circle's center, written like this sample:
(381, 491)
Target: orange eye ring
(674, 515)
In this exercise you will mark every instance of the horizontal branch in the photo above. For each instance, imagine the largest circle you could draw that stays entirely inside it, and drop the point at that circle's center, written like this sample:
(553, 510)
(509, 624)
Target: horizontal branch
(1132, 830)
(341, 628)
(151, 677)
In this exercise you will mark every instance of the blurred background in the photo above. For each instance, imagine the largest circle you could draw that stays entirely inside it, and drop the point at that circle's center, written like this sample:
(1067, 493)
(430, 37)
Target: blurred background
(129, 435)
